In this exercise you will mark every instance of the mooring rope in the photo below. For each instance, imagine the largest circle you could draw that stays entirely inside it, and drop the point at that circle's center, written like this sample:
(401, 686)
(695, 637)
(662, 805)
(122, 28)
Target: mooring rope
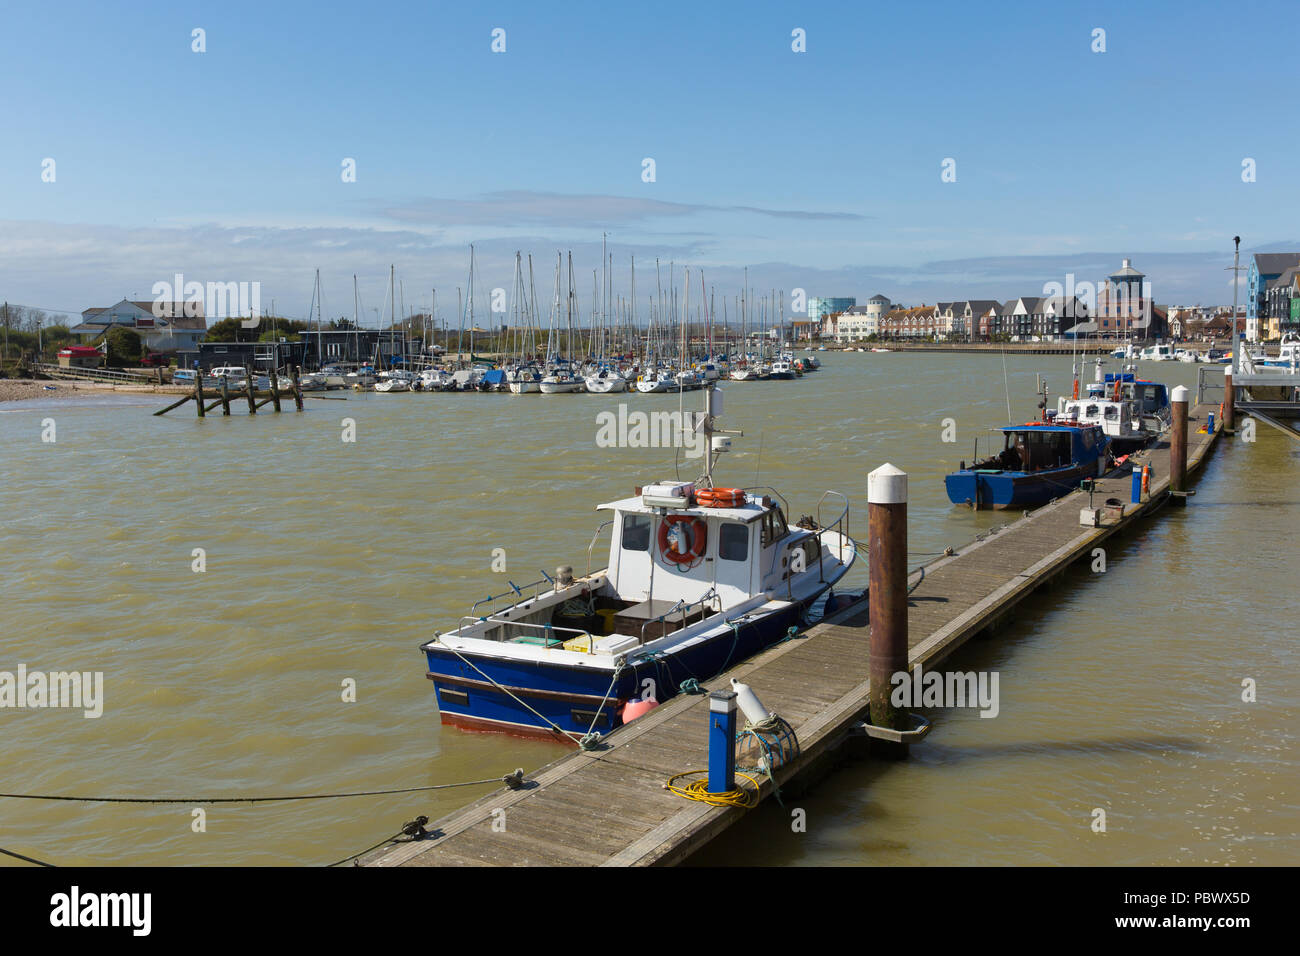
(211, 800)
(590, 740)
(26, 859)
(505, 690)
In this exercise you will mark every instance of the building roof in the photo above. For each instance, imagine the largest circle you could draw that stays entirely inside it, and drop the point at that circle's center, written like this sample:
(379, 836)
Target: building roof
(1275, 263)
(1285, 279)
(1127, 272)
(879, 298)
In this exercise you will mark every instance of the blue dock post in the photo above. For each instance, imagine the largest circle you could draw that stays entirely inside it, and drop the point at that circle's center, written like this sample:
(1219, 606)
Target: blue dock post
(722, 741)
(1209, 423)
(1137, 485)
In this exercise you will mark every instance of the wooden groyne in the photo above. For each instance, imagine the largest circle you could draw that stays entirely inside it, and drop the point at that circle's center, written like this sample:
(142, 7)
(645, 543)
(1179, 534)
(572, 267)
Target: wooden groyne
(256, 399)
(609, 807)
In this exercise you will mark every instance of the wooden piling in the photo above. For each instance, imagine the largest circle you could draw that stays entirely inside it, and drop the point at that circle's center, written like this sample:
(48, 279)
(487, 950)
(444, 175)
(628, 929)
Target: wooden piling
(297, 387)
(1229, 402)
(225, 396)
(176, 404)
(198, 391)
(1178, 446)
(249, 383)
(887, 590)
(275, 389)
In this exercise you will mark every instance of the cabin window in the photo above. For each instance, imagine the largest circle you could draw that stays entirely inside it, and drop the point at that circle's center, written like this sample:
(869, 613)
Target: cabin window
(636, 532)
(733, 542)
(1112, 412)
(1092, 411)
(774, 527)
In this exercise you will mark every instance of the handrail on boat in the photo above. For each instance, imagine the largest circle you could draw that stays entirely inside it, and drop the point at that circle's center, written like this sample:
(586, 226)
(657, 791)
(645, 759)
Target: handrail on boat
(593, 543)
(841, 522)
(514, 589)
(710, 595)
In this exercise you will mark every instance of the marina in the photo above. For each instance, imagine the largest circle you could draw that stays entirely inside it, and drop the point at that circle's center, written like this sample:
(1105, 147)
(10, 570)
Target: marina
(538, 453)
(336, 599)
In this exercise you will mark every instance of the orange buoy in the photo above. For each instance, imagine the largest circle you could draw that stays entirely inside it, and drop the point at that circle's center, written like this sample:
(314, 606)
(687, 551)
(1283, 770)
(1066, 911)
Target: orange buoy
(636, 707)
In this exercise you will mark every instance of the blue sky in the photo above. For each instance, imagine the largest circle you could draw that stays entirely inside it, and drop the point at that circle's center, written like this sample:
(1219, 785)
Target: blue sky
(818, 170)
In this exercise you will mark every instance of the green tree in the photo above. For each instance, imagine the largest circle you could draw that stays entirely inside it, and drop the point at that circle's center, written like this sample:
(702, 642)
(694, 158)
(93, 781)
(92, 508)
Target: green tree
(123, 346)
(227, 330)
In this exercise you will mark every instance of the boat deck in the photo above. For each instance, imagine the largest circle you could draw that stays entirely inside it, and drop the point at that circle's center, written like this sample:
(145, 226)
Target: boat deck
(609, 807)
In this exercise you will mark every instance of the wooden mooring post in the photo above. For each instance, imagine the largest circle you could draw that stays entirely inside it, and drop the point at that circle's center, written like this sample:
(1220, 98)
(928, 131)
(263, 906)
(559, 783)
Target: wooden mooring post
(198, 391)
(887, 598)
(1229, 401)
(297, 387)
(225, 396)
(249, 384)
(1178, 447)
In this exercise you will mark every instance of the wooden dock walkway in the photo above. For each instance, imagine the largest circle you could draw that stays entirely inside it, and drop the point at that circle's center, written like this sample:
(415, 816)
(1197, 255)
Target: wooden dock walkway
(609, 807)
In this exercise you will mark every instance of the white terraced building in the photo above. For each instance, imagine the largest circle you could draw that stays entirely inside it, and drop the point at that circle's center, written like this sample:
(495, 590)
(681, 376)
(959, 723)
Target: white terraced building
(861, 321)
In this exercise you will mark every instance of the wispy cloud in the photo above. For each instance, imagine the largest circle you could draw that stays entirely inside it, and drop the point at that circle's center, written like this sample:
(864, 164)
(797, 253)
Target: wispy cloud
(73, 266)
(522, 207)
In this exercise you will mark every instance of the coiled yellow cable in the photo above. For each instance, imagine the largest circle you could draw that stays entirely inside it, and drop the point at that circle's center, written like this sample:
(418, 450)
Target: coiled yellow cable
(698, 790)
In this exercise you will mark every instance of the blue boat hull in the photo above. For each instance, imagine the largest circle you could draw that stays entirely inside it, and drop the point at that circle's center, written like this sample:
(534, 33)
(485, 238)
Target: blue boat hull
(570, 698)
(1000, 490)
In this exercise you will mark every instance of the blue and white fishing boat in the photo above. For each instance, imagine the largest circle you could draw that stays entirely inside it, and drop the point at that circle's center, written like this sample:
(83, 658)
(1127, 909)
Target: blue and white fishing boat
(1040, 461)
(699, 578)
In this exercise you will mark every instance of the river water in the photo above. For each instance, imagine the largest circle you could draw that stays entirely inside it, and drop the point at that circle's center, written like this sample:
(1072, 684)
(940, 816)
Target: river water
(327, 562)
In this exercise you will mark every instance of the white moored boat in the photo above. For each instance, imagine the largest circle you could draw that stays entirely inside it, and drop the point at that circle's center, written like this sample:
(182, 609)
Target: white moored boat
(699, 578)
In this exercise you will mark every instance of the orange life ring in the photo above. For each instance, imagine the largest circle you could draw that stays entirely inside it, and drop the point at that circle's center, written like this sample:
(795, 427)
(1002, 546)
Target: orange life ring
(1146, 479)
(699, 533)
(720, 497)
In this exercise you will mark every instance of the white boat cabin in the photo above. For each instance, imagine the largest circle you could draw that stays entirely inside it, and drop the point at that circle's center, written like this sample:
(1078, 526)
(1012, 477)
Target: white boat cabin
(682, 552)
(1118, 419)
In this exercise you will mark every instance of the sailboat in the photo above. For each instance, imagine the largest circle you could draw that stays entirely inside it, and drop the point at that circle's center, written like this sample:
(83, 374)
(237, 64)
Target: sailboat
(606, 378)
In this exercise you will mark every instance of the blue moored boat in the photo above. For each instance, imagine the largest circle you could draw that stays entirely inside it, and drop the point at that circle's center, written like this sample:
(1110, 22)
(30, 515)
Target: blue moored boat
(699, 578)
(1040, 461)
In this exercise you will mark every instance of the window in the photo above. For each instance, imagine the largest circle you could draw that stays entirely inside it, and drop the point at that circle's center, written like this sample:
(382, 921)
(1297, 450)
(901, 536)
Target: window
(636, 532)
(733, 542)
(774, 527)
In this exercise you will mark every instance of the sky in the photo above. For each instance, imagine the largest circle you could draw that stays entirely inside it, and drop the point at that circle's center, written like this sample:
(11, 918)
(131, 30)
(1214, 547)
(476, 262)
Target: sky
(821, 169)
